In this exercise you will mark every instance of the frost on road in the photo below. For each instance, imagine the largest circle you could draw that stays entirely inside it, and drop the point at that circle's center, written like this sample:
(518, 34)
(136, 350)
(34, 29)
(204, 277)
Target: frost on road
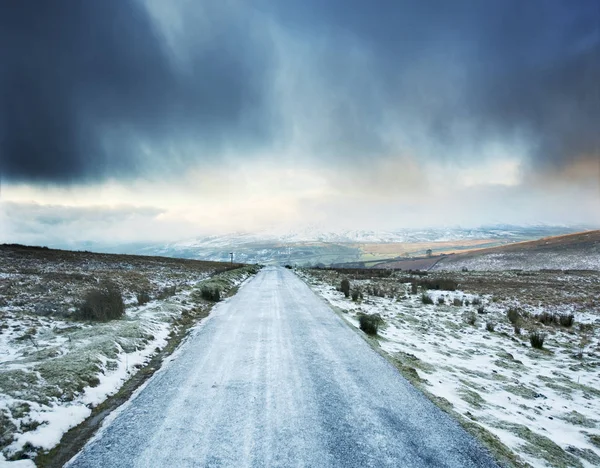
(275, 378)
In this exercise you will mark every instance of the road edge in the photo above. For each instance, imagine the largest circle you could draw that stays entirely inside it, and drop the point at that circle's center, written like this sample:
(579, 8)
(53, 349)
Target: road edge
(75, 439)
(504, 456)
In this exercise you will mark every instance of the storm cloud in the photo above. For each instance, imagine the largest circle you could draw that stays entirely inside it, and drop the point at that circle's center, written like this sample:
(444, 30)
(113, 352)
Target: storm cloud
(93, 89)
(119, 88)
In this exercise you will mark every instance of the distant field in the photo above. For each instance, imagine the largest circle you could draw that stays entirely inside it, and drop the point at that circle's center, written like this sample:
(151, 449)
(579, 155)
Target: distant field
(370, 252)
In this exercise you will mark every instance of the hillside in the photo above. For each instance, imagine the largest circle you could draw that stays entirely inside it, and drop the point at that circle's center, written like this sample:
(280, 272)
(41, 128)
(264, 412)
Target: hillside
(313, 246)
(580, 251)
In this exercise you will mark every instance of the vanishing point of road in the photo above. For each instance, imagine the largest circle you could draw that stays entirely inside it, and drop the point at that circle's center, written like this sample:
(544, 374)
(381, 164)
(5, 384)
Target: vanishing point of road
(275, 378)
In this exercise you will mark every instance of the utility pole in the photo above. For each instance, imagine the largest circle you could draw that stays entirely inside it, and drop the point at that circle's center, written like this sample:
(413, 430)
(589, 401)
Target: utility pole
(231, 253)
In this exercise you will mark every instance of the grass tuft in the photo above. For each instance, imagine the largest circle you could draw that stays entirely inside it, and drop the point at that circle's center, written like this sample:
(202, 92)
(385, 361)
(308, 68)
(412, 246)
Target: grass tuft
(566, 320)
(547, 318)
(536, 339)
(471, 318)
(211, 292)
(143, 297)
(426, 298)
(513, 315)
(167, 292)
(345, 287)
(103, 304)
(369, 323)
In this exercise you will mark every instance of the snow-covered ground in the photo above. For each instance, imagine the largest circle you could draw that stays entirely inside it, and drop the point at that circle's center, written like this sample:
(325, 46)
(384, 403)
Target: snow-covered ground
(54, 369)
(499, 261)
(542, 404)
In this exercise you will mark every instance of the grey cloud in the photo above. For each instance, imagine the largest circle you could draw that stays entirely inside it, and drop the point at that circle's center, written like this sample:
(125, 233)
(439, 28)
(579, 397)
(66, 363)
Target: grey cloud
(87, 87)
(98, 89)
(453, 76)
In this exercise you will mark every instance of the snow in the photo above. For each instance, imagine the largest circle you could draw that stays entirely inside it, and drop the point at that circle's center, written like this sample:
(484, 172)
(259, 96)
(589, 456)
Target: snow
(273, 378)
(537, 390)
(54, 423)
(15, 464)
(582, 260)
(85, 362)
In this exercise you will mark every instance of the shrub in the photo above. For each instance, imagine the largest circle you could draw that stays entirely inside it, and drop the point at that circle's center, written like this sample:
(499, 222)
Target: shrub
(167, 291)
(458, 302)
(490, 326)
(211, 292)
(517, 329)
(467, 302)
(537, 339)
(513, 315)
(414, 287)
(426, 298)
(143, 297)
(103, 304)
(441, 300)
(566, 320)
(345, 287)
(477, 301)
(355, 295)
(481, 310)
(369, 323)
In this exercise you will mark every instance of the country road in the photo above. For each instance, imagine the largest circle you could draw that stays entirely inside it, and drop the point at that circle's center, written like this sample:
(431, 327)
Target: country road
(275, 378)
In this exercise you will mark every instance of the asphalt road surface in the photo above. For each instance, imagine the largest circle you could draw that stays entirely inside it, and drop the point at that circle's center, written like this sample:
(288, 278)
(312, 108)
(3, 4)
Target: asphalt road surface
(275, 378)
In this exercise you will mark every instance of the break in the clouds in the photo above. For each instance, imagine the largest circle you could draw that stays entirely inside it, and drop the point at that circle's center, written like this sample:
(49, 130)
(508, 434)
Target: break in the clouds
(123, 88)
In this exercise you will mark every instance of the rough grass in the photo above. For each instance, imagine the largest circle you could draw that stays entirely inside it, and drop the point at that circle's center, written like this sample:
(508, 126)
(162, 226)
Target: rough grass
(59, 372)
(540, 446)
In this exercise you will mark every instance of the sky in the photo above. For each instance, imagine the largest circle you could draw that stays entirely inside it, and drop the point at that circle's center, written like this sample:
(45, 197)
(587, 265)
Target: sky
(146, 120)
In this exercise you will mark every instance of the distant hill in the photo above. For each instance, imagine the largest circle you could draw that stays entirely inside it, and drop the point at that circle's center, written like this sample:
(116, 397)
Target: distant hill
(312, 246)
(578, 251)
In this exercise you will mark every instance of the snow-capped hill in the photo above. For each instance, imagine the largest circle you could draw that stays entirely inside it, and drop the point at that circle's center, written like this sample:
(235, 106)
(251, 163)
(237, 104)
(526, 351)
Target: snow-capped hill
(314, 245)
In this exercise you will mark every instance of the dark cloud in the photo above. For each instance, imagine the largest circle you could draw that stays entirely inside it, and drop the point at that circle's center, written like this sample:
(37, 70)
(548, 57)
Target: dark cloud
(461, 74)
(97, 89)
(85, 87)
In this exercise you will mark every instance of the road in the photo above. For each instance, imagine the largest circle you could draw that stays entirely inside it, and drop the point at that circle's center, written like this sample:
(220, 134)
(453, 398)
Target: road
(275, 378)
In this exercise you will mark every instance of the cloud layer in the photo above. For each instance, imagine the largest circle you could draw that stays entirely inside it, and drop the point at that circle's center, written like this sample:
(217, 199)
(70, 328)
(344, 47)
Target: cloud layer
(125, 88)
